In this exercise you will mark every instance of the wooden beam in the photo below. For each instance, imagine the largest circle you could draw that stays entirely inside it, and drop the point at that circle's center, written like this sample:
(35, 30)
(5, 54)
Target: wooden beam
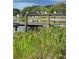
(51, 14)
(49, 20)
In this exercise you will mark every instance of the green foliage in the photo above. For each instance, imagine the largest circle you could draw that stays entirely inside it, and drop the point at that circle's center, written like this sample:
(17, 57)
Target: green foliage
(15, 12)
(59, 8)
(44, 44)
(49, 8)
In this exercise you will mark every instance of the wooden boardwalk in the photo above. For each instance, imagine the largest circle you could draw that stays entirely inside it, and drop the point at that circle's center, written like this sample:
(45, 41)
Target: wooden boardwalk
(29, 24)
(39, 24)
(35, 25)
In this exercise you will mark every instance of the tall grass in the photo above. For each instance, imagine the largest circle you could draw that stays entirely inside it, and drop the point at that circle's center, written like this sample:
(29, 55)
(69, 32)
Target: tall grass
(43, 44)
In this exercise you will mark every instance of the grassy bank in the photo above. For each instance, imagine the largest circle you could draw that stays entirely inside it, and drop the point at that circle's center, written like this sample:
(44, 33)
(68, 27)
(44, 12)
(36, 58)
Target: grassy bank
(43, 44)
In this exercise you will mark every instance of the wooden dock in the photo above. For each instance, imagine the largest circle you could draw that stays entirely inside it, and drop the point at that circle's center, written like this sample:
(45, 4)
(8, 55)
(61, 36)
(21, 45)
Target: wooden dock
(36, 25)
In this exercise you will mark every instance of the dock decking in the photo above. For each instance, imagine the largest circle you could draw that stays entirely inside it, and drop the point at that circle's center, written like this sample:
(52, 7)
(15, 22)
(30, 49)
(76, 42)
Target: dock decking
(39, 24)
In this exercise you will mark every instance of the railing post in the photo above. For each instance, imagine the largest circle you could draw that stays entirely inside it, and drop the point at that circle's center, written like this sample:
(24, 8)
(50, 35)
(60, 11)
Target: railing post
(54, 16)
(16, 28)
(18, 18)
(26, 21)
(49, 20)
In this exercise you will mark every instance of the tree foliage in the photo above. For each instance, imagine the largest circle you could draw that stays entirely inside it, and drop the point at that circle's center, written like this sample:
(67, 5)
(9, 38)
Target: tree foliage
(15, 12)
(59, 8)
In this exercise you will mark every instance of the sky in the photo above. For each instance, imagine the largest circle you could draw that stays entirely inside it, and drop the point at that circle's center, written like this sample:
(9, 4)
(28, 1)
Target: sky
(20, 4)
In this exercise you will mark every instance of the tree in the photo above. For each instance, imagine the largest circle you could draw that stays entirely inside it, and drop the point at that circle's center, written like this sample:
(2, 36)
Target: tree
(16, 11)
(60, 8)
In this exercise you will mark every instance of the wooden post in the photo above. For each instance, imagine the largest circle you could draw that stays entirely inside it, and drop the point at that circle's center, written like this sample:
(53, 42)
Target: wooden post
(18, 18)
(16, 28)
(49, 20)
(54, 16)
(26, 21)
